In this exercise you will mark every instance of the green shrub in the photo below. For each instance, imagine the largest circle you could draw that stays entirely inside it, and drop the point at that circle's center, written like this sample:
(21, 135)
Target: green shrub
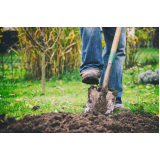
(61, 58)
(142, 36)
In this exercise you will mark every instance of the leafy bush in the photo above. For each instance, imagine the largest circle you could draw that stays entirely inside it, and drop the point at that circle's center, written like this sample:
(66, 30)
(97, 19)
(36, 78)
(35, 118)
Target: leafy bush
(142, 35)
(62, 57)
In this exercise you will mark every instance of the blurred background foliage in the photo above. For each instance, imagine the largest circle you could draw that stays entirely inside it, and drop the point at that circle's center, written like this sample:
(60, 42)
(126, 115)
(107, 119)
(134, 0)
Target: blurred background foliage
(61, 58)
(21, 57)
(142, 38)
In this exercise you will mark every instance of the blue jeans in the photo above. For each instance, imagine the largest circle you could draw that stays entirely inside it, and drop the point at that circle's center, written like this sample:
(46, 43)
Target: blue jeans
(92, 57)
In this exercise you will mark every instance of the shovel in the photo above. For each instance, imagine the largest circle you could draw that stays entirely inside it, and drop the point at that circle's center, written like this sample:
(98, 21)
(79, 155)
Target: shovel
(102, 99)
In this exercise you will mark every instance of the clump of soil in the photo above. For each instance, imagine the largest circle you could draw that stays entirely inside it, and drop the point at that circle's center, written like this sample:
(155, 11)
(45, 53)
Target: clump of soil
(65, 122)
(100, 100)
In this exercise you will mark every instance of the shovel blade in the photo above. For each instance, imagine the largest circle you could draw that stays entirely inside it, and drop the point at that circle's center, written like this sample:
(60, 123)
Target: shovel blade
(100, 101)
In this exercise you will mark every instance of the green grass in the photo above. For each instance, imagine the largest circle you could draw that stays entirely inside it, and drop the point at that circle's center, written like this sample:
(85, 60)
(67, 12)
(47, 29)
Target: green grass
(67, 93)
(61, 94)
(148, 56)
(140, 97)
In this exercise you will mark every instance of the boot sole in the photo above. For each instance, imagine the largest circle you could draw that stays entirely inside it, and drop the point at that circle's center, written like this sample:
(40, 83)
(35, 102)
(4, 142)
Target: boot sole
(90, 79)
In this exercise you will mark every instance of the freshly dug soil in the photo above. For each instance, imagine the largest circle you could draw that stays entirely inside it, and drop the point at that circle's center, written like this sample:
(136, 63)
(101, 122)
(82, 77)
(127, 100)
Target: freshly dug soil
(100, 100)
(65, 122)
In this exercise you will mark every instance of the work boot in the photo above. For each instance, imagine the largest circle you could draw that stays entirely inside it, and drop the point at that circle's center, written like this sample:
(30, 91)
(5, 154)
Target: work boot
(90, 77)
(120, 107)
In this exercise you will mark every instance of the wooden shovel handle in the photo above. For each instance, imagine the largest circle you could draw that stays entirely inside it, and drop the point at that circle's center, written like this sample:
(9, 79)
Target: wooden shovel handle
(111, 57)
(116, 39)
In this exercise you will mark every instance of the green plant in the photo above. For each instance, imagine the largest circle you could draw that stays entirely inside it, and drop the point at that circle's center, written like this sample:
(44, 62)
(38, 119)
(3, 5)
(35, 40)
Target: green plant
(62, 57)
(139, 96)
(153, 54)
(142, 35)
(1, 33)
(67, 93)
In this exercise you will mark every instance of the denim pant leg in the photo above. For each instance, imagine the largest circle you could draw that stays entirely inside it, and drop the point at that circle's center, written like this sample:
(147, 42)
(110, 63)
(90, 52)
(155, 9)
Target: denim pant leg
(115, 80)
(91, 49)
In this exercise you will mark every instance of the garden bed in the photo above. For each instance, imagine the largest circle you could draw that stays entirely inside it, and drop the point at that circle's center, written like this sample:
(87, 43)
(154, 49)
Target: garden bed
(65, 122)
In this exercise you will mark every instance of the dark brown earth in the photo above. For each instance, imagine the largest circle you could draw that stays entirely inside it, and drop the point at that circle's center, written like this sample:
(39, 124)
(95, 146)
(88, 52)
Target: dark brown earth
(101, 100)
(65, 122)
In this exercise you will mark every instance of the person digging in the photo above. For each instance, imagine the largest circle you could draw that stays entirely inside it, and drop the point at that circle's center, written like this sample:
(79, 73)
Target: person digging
(94, 64)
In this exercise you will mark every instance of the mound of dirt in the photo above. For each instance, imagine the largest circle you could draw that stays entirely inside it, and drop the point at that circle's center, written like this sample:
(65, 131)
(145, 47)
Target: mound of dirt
(65, 122)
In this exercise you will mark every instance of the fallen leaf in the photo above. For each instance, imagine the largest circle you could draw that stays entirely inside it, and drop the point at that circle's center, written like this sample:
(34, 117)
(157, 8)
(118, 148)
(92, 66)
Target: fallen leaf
(11, 105)
(134, 103)
(147, 101)
(12, 94)
(140, 86)
(64, 107)
(129, 91)
(141, 107)
(28, 105)
(5, 66)
(78, 107)
(31, 102)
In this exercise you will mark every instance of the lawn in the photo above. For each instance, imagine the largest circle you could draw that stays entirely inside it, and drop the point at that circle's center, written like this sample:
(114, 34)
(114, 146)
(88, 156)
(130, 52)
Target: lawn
(140, 97)
(67, 93)
(148, 56)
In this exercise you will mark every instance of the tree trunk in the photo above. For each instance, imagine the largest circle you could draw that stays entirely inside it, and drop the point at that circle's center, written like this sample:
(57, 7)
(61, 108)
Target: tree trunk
(43, 71)
(43, 59)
